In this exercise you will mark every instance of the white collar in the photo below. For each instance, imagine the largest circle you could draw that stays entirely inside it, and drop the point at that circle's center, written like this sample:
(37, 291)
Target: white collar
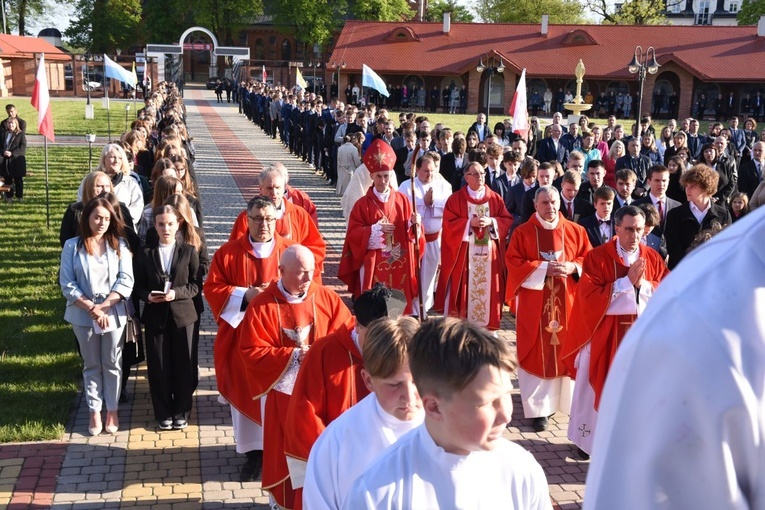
(383, 197)
(289, 297)
(262, 250)
(476, 195)
(548, 225)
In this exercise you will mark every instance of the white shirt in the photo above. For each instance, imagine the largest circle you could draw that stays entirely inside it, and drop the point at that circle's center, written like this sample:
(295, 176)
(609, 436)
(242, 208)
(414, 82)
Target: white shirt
(432, 216)
(346, 448)
(417, 474)
(683, 410)
(698, 213)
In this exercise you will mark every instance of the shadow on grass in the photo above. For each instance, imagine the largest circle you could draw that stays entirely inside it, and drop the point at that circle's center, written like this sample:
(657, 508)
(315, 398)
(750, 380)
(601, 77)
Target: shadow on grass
(38, 361)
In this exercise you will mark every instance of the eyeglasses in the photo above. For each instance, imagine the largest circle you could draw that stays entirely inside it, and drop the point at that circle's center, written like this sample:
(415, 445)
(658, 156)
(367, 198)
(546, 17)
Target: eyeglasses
(474, 174)
(260, 219)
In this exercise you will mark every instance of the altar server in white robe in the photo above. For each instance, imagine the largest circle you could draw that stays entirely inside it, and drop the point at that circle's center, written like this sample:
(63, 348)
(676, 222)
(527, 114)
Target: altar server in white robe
(458, 458)
(430, 192)
(393, 408)
(683, 410)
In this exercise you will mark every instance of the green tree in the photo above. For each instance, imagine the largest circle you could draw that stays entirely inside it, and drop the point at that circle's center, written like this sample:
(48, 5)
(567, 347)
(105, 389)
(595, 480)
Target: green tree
(165, 20)
(460, 14)
(103, 26)
(751, 11)
(313, 21)
(529, 11)
(632, 12)
(226, 18)
(18, 11)
(381, 10)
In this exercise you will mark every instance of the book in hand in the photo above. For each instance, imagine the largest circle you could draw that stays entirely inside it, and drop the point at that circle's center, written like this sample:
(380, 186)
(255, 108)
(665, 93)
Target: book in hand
(168, 286)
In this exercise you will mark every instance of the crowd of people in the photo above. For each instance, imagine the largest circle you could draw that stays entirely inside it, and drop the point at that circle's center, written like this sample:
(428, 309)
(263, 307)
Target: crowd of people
(573, 227)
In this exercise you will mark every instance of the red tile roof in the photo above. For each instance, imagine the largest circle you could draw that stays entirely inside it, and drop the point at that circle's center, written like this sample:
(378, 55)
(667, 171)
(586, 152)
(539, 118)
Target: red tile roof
(719, 53)
(14, 46)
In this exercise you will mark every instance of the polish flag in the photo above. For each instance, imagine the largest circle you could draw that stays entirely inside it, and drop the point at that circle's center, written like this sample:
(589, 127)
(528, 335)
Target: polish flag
(41, 102)
(264, 74)
(519, 108)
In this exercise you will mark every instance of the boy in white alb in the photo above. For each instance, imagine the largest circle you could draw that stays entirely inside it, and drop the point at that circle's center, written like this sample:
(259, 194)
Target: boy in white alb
(351, 442)
(458, 458)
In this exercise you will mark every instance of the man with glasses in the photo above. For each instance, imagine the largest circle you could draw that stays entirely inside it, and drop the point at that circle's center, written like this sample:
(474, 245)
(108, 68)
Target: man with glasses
(475, 226)
(292, 221)
(239, 271)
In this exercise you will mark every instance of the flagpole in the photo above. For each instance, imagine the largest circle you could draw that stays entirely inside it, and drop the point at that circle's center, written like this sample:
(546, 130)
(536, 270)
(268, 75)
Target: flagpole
(108, 113)
(417, 265)
(47, 185)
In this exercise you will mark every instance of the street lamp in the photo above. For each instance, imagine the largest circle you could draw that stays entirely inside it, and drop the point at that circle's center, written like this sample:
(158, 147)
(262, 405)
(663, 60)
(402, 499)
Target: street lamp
(642, 62)
(127, 109)
(90, 137)
(491, 67)
(314, 64)
(338, 66)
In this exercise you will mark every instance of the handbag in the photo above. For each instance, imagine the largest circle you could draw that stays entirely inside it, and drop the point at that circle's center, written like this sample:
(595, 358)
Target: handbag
(132, 330)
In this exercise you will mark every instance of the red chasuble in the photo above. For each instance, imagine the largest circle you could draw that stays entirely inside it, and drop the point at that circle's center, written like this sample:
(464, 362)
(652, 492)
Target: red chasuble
(269, 333)
(235, 265)
(302, 200)
(394, 266)
(295, 225)
(455, 278)
(589, 322)
(329, 383)
(543, 315)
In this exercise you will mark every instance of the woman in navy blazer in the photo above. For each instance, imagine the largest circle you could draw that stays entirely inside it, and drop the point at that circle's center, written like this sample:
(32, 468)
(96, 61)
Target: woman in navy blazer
(169, 316)
(96, 275)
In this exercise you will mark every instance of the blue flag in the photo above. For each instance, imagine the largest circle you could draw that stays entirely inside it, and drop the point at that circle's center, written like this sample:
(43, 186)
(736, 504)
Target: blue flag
(115, 71)
(370, 79)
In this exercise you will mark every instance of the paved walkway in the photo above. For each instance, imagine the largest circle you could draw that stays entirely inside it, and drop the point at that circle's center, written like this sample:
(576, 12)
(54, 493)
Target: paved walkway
(198, 468)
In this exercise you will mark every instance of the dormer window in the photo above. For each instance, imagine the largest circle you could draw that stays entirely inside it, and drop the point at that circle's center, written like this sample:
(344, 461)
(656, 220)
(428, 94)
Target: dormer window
(401, 34)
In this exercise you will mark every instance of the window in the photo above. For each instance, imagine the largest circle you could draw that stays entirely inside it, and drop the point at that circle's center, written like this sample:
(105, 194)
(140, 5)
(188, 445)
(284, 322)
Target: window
(286, 50)
(675, 6)
(733, 6)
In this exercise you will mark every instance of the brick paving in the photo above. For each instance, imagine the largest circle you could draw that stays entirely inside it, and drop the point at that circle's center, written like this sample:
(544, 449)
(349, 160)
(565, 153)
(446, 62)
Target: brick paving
(197, 468)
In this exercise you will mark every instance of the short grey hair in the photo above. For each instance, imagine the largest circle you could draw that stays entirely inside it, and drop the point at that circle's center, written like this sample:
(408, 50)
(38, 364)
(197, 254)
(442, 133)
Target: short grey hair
(552, 191)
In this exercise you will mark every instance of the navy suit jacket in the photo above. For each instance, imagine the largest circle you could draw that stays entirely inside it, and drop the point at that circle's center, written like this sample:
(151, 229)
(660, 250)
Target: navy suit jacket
(477, 129)
(671, 204)
(748, 179)
(590, 224)
(547, 152)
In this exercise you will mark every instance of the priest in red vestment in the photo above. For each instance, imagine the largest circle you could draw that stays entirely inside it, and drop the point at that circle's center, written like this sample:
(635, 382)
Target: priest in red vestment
(379, 243)
(330, 381)
(240, 270)
(475, 225)
(618, 278)
(544, 260)
(293, 222)
(279, 326)
(301, 199)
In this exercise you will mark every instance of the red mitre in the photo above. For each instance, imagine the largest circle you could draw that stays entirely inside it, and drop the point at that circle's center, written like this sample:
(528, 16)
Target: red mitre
(379, 157)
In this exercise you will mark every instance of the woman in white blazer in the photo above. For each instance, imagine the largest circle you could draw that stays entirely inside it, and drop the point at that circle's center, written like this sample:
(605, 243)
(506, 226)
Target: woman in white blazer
(96, 276)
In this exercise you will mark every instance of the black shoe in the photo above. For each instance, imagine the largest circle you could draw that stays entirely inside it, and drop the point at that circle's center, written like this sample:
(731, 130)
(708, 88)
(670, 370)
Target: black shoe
(179, 422)
(251, 469)
(540, 424)
(582, 454)
(166, 424)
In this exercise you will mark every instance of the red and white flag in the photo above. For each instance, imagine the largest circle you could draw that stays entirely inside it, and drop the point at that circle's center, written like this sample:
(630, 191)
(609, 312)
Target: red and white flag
(264, 74)
(41, 102)
(519, 108)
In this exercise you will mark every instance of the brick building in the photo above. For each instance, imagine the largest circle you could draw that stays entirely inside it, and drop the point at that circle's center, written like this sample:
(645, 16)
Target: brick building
(693, 60)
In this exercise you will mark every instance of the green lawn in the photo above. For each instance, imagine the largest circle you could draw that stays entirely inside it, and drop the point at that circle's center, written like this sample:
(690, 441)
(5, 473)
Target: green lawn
(69, 116)
(40, 370)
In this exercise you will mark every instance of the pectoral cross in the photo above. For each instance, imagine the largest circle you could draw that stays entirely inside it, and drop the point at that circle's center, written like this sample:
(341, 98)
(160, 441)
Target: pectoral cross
(584, 430)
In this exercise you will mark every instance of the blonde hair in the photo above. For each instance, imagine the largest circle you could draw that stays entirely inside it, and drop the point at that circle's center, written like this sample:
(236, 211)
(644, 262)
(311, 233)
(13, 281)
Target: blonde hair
(124, 168)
